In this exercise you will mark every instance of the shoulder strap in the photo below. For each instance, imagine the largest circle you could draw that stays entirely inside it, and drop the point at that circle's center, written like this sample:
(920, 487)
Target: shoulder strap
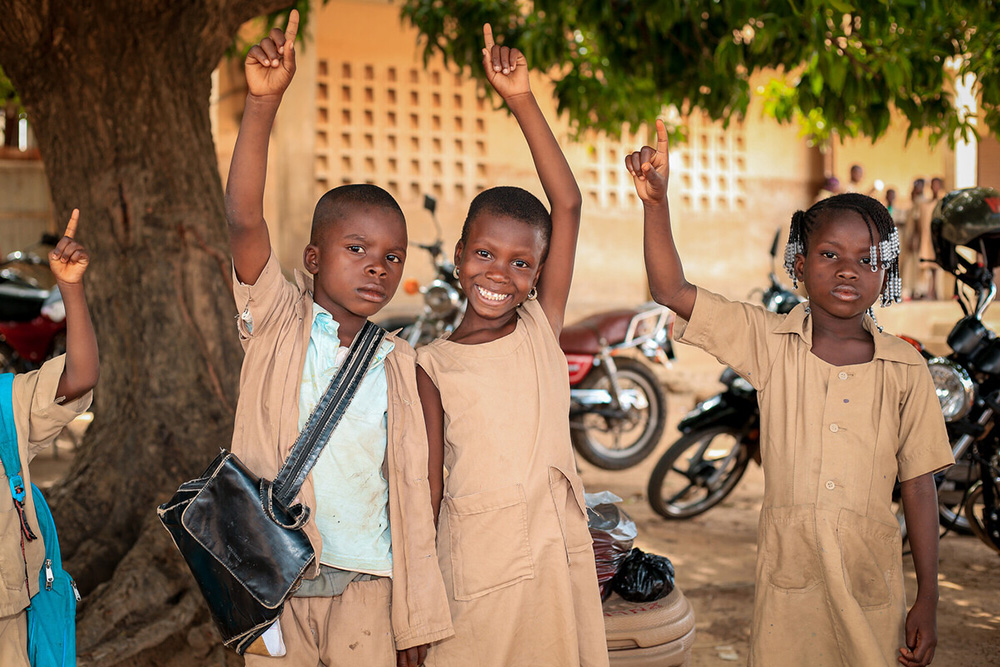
(8, 438)
(327, 413)
(9, 455)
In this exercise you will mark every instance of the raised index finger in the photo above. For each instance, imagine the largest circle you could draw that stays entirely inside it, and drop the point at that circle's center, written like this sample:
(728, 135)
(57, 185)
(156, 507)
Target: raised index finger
(74, 219)
(488, 35)
(292, 28)
(662, 143)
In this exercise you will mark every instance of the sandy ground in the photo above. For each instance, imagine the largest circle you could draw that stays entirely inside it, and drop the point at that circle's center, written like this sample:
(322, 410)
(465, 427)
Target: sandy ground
(714, 559)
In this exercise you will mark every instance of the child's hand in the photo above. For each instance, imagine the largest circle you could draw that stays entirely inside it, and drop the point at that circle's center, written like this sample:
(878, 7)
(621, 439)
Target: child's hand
(921, 634)
(69, 260)
(411, 657)
(270, 65)
(650, 168)
(506, 68)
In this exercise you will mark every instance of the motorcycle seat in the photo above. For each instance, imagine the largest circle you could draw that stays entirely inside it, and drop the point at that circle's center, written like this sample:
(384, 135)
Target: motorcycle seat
(590, 334)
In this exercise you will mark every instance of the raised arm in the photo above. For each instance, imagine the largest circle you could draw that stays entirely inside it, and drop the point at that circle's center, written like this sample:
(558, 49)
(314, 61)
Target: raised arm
(650, 171)
(507, 71)
(68, 262)
(270, 67)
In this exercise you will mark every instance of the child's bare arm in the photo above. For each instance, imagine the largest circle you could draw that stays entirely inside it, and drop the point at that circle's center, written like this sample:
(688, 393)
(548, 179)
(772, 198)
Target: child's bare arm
(412, 657)
(270, 67)
(650, 171)
(507, 71)
(430, 401)
(920, 506)
(68, 262)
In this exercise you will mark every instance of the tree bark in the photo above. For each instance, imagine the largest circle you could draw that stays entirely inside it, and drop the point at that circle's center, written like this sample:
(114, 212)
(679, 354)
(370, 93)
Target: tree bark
(118, 95)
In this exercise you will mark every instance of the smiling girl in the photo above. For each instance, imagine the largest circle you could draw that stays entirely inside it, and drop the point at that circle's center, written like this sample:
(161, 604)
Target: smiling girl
(513, 542)
(845, 411)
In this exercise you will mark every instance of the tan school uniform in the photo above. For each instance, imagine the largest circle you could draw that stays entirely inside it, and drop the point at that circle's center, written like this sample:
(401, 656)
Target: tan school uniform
(274, 325)
(513, 541)
(38, 420)
(833, 441)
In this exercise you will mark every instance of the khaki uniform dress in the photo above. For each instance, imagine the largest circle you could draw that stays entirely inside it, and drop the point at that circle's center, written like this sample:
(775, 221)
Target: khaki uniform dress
(372, 618)
(513, 542)
(833, 441)
(38, 420)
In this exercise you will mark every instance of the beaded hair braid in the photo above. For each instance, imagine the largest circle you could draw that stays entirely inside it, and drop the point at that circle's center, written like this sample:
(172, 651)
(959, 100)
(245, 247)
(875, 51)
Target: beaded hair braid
(875, 215)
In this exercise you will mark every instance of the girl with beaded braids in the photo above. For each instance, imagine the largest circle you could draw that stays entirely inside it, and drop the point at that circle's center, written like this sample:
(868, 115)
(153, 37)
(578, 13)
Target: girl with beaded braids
(845, 410)
(879, 223)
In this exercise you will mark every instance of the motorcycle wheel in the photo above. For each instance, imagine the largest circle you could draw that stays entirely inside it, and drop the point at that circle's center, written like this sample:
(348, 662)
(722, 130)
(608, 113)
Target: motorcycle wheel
(617, 443)
(698, 472)
(974, 510)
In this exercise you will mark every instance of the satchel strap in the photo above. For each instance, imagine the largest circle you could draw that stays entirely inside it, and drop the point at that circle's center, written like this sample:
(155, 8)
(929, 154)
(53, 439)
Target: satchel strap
(327, 413)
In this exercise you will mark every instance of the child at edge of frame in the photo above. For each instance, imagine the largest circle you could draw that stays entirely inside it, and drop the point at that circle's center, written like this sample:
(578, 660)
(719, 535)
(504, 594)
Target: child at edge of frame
(44, 401)
(374, 596)
(513, 541)
(845, 410)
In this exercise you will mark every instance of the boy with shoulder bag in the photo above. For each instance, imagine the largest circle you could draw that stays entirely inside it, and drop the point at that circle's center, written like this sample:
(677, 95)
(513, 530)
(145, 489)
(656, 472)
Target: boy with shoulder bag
(374, 588)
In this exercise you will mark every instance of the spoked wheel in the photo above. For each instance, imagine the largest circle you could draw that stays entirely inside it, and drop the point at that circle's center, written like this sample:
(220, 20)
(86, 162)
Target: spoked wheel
(622, 438)
(698, 472)
(975, 511)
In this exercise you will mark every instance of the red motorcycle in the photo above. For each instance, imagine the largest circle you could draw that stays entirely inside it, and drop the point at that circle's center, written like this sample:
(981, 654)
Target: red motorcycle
(32, 315)
(617, 406)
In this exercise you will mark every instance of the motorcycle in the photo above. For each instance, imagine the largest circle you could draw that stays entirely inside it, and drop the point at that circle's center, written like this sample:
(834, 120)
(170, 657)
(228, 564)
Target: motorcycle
(32, 315)
(719, 436)
(968, 380)
(617, 405)
(618, 408)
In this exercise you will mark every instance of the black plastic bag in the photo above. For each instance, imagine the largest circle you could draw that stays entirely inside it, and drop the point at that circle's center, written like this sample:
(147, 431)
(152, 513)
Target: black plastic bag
(613, 532)
(644, 577)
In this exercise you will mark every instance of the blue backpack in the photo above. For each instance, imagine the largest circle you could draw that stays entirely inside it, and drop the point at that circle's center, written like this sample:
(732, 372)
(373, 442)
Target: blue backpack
(52, 612)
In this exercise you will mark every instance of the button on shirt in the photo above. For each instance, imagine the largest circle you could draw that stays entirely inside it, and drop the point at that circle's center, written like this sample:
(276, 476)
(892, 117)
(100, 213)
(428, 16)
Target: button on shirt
(352, 495)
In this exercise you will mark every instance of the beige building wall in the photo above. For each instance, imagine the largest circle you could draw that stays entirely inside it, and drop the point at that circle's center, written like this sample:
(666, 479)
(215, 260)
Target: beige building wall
(25, 203)
(893, 160)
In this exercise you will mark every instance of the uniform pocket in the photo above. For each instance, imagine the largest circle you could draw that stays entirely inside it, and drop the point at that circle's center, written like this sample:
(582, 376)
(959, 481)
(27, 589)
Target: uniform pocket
(870, 552)
(567, 494)
(489, 541)
(790, 552)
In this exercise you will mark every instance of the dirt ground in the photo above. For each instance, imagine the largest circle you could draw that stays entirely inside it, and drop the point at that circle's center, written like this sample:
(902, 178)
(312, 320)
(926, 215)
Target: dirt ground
(714, 560)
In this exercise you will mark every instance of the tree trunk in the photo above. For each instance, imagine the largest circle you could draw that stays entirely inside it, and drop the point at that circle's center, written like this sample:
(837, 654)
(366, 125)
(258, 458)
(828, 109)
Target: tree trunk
(118, 95)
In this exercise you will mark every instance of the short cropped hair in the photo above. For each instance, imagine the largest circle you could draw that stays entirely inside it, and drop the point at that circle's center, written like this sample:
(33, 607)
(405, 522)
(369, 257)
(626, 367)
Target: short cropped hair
(512, 202)
(340, 201)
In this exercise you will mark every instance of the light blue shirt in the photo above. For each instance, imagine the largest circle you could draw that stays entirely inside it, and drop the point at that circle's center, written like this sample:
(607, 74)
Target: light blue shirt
(352, 496)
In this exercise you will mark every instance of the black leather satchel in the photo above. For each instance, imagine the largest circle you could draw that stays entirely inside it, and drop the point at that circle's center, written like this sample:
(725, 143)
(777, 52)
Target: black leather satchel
(240, 534)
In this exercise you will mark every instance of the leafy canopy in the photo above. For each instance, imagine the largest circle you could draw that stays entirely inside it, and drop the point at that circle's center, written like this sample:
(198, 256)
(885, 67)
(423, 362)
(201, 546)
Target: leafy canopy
(838, 66)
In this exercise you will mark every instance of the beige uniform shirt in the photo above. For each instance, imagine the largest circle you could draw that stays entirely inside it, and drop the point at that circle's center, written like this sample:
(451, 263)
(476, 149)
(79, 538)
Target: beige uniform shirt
(833, 441)
(38, 420)
(274, 323)
(513, 542)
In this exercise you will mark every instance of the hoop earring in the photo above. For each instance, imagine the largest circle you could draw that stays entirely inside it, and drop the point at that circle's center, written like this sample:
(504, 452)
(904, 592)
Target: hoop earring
(454, 272)
(533, 294)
